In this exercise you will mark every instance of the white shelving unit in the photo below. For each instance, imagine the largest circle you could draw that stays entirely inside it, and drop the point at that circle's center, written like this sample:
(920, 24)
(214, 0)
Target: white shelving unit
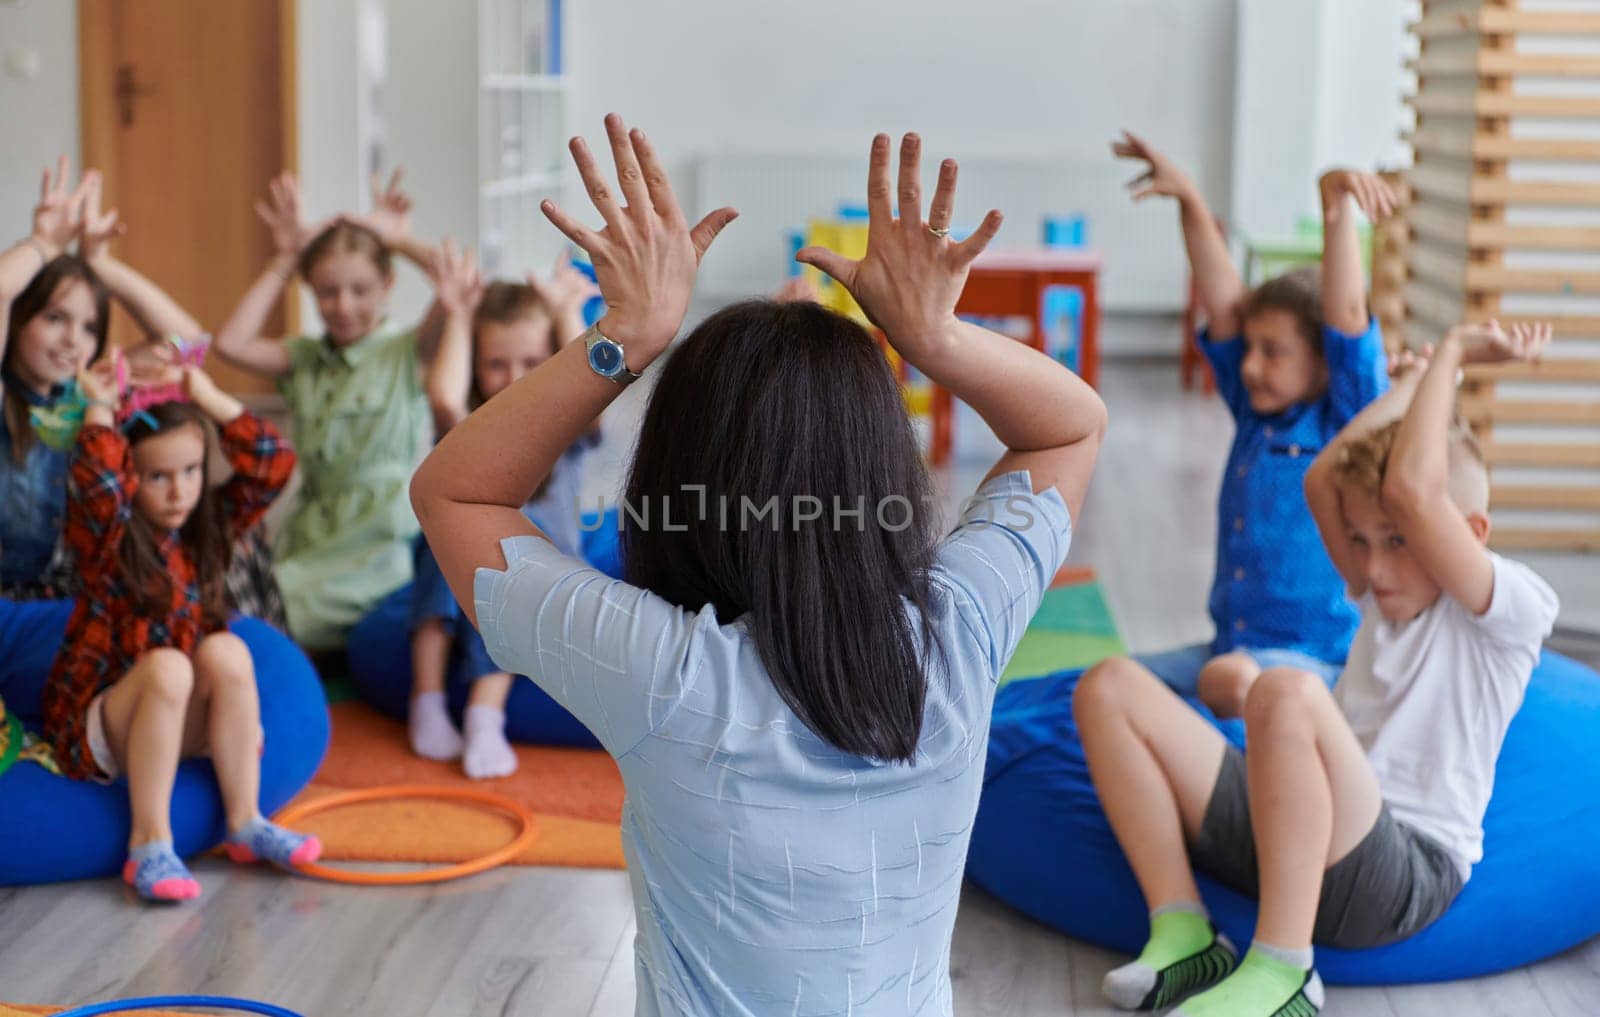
(524, 103)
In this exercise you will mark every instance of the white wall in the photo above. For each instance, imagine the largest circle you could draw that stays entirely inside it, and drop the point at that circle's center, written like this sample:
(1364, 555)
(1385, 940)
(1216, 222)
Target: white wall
(430, 125)
(1001, 78)
(1319, 85)
(39, 114)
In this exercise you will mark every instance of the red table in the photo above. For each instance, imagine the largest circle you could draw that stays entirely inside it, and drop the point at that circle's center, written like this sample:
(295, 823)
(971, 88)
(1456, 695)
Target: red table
(1013, 282)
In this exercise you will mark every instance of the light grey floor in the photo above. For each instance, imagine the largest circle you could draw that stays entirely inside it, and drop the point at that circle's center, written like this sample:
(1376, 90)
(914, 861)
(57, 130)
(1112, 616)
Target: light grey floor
(556, 942)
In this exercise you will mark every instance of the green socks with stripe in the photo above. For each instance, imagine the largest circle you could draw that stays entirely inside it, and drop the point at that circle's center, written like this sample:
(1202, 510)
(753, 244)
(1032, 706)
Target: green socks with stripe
(1270, 982)
(1184, 954)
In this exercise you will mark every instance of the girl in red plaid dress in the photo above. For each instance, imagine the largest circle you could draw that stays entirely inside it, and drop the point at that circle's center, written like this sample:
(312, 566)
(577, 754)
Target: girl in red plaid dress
(148, 672)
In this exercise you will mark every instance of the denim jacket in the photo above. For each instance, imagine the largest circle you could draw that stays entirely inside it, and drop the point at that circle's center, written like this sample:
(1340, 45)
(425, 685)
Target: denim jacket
(33, 503)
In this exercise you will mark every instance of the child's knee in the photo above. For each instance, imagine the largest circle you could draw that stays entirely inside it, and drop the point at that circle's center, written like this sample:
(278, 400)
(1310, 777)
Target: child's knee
(223, 652)
(1104, 686)
(1283, 697)
(167, 674)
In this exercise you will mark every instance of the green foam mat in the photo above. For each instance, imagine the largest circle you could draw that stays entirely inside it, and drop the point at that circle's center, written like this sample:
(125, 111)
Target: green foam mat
(1073, 628)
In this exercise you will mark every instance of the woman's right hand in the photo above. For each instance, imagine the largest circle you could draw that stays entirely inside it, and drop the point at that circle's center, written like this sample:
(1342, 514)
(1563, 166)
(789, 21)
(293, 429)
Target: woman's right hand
(646, 256)
(913, 273)
(57, 217)
(1161, 175)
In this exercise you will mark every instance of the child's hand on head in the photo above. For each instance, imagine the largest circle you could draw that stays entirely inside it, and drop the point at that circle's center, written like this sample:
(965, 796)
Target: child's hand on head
(909, 280)
(154, 364)
(285, 218)
(455, 277)
(1405, 360)
(97, 230)
(565, 292)
(390, 217)
(1161, 176)
(1489, 343)
(801, 288)
(1374, 196)
(59, 213)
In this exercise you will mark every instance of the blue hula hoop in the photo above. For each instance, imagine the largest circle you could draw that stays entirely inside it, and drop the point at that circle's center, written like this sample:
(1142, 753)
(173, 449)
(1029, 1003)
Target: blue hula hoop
(160, 1002)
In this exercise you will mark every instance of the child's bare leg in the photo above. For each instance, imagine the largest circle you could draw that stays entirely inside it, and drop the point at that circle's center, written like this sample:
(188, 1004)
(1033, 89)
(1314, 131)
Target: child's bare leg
(487, 752)
(143, 716)
(226, 704)
(1313, 797)
(1225, 682)
(431, 732)
(1154, 762)
(229, 730)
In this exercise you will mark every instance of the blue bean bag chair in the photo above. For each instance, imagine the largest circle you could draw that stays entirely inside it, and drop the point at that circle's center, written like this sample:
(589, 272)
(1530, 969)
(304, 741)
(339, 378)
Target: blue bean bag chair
(1041, 843)
(57, 829)
(379, 653)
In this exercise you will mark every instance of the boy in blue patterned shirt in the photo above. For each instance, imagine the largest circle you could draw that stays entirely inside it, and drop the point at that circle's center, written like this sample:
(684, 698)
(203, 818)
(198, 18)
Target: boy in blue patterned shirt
(1294, 361)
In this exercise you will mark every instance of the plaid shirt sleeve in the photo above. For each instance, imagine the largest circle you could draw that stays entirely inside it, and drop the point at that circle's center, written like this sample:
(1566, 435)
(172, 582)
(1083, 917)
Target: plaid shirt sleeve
(262, 462)
(100, 487)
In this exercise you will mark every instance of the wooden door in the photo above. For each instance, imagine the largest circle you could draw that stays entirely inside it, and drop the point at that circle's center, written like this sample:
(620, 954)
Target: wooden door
(188, 109)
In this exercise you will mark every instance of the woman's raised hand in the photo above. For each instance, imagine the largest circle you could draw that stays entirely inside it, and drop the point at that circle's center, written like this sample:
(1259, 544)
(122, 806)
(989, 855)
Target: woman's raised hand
(59, 214)
(913, 273)
(455, 277)
(646, 256)
(97, 230)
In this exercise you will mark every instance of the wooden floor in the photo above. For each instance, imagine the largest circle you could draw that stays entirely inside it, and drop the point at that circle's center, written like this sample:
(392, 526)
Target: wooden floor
(556, 942)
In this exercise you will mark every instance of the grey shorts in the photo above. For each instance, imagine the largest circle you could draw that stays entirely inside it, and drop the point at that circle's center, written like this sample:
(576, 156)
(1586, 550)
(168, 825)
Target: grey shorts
(1391, 885)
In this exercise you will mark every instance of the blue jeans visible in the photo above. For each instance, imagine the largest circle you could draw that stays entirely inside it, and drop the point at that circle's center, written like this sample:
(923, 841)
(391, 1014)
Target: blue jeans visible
(1180, 669)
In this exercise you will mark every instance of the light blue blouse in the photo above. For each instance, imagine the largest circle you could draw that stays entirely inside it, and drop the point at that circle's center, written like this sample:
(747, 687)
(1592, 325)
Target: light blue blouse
(771, 872)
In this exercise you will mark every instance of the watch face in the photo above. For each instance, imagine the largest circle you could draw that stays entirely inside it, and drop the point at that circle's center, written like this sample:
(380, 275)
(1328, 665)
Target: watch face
(606, 358)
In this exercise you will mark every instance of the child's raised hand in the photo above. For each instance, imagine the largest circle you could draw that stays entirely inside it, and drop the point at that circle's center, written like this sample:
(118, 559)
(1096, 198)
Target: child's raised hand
(100, 382)
(566, 291)
(455, 277)
(1405, 360)
(390, 217)
(1374, 196)
(284, 217)
(97, 230)
(1161, 176)
(646, 256)
(801, 288)
(198, 385)
(57, 217)
(913, 273)
(1489, 343)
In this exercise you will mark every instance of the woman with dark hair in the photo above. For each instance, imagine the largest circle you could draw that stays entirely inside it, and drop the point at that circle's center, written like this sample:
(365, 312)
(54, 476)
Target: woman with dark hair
(796, 677)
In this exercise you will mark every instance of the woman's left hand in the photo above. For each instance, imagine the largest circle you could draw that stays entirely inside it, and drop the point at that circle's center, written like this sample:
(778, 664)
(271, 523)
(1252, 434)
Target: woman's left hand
(646, 256)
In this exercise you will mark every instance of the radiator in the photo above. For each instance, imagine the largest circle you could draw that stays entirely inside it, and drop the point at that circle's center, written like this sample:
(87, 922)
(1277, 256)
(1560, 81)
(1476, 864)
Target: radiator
(1144, 269)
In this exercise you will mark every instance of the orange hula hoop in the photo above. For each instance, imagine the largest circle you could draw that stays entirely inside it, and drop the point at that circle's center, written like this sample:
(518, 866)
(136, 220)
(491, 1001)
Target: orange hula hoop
(438, 874)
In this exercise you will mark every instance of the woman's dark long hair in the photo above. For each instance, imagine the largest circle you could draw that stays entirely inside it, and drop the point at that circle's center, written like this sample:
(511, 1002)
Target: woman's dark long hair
(204, 533)
(768, 405)
(31, 302)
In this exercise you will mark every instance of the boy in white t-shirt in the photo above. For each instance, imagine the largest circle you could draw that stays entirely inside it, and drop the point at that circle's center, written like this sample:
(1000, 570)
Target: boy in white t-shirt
(1356, 816)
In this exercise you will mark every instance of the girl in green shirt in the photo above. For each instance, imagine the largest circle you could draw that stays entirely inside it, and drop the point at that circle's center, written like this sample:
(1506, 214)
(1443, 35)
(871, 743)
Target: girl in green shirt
(355, 392)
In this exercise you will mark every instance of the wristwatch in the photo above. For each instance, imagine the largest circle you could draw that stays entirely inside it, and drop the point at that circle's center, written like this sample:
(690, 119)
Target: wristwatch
(606, 357)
